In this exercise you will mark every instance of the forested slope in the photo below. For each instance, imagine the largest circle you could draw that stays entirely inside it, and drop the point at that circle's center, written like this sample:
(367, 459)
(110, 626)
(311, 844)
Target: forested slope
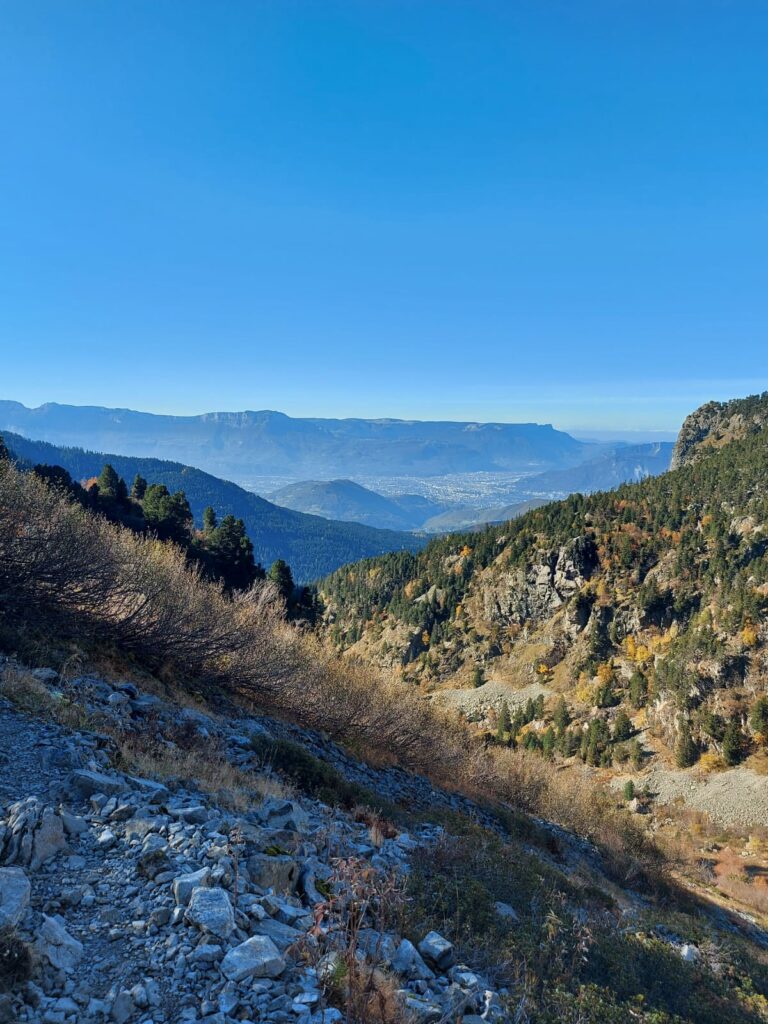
(650, 597)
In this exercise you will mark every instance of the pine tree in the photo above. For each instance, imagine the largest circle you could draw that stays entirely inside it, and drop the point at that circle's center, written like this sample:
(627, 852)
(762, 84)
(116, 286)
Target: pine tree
(638, 689)
(209, 519)
(5, 455)
(503, 728)
(108, 482)
(280, 574)
(139, 487)
(562, 716)
(548, 743)
(478, 676)
(622, 727)
(686, 751)
(232, 553)
(734, 743)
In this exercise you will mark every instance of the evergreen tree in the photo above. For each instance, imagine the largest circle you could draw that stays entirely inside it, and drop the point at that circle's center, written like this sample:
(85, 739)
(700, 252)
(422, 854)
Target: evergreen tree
(622, 727)
(686, 751)
(629, 790)
(548, 743)
(108, 482)
(734, 743)
(562, 716)
(139, 487)
(478, 676)
(638, 689)
(232, 552)
(636, 753)
(280, 574)
(503, 728)
(167, 513)
(209, 519)
(5, 455)
(758, 718)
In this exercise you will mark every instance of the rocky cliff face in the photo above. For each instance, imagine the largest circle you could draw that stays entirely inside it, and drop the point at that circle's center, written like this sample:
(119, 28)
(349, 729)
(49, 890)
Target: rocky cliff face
(534, 594)
(716, 424)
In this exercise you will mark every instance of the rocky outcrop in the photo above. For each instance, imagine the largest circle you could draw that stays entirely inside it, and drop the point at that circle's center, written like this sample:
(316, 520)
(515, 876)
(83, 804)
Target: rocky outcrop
(534, 594)
(715, 424)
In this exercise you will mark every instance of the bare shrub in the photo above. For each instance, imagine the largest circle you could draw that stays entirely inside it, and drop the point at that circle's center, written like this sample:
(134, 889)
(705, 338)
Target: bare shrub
(15, 959)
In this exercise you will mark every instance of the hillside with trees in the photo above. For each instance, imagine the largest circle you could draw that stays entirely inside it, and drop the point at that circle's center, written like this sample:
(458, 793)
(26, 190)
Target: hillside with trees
(645, 603)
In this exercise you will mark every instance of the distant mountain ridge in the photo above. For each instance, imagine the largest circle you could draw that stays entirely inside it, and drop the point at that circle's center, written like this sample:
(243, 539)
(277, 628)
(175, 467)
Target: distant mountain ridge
(242, 445)
(310, 544)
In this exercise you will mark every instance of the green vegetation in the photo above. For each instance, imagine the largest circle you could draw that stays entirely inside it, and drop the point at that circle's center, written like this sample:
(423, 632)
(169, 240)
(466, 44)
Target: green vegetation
(559, 954)
(672, 587)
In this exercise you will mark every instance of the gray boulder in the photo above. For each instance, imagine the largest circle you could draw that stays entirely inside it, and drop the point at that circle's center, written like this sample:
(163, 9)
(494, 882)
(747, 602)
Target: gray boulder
(34, 834)
(280, 873)
(87, 783)
(184, 885)
(211, 911)
(257, 957)
(57, 946)
(285, 814)
(15, 891)
(437, 951)
(408, 962)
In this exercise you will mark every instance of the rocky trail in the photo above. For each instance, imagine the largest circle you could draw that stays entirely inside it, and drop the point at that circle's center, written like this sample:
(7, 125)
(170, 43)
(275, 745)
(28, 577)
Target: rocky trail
(153, 904)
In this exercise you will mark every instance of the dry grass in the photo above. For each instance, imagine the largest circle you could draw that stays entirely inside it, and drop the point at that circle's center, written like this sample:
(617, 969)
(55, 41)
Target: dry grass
(201, 766)
(31, 696)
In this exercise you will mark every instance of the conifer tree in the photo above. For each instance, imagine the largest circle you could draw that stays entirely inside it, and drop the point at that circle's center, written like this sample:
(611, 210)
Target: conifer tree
(733, 743)
(562, 716)
(686, 752)
(503, 727)
(280, 574)
(139, 487)
(209, 519)
(108, 482)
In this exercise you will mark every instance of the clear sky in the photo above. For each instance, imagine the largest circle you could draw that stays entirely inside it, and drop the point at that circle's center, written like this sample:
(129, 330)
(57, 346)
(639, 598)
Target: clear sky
(514, 211)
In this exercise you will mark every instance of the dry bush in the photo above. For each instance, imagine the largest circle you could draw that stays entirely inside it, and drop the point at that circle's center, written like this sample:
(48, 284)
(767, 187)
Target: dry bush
(15, 959)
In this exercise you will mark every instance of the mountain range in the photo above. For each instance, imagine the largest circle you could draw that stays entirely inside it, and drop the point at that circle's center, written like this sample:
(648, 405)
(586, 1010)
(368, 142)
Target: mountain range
(244, 445)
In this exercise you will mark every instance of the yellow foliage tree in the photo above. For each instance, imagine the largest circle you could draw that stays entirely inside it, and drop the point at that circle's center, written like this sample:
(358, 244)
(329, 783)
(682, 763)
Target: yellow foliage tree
(749, 635)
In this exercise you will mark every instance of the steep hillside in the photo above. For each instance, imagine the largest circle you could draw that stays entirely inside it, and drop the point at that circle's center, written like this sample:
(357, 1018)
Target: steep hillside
(351, 502)
(311, 545)
(649, 600)
(247, 444)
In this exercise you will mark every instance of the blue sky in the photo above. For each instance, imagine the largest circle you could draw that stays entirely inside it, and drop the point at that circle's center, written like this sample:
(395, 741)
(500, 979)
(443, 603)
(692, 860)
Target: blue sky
(500, 211)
